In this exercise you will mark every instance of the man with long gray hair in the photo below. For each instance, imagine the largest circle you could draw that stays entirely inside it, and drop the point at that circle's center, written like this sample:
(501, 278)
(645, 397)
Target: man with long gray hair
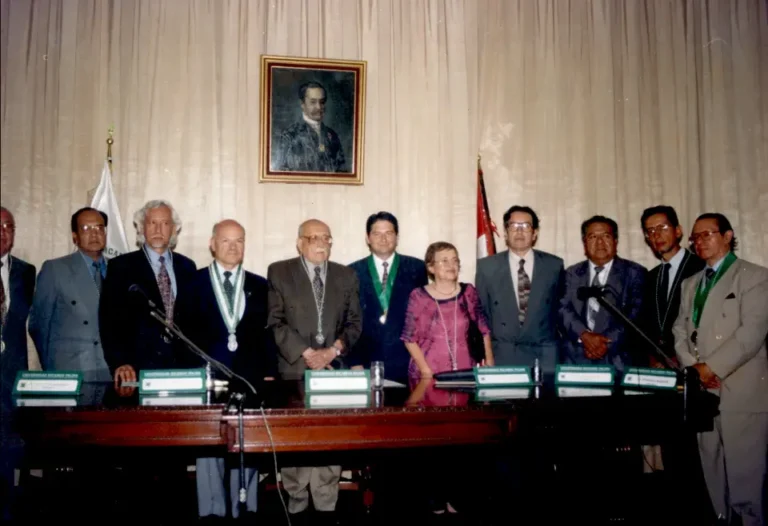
(131, 338)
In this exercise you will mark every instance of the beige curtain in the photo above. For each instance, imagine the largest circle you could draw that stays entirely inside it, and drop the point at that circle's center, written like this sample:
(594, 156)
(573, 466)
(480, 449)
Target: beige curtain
(577, 107)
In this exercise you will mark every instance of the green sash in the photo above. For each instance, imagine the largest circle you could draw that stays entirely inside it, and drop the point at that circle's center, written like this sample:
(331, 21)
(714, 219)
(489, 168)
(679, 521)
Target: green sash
(702, 292)
(383, 293)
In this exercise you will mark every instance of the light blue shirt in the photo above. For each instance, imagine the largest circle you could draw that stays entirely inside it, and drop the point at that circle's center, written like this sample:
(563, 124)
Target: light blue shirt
(154, 261)
(714, 267)
(89, 263)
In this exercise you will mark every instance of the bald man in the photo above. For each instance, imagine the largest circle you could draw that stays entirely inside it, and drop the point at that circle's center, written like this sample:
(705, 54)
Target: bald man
(227, 317)
(314, 311)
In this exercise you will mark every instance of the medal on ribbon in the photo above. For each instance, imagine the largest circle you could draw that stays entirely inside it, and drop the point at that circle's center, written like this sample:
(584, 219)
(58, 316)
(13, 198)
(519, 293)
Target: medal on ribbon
(230, 310)
(383, 293)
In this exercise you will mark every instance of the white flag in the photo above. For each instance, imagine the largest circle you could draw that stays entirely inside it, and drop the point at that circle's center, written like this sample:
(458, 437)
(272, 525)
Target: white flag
(105, 201)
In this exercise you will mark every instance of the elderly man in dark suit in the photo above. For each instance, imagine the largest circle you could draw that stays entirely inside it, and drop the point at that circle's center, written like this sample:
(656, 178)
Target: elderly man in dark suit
(592, 334)
(16, 291)
(520, 291)
(314, 310)
(721, 331)
(133, 340)
(64, 320)
(226, 316)
(386, 281)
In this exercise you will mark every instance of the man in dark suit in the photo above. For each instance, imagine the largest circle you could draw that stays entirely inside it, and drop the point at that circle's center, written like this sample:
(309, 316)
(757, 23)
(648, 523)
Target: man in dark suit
(520, 291)
(64, 320)
(592, 335)
(16, 290)
(133, 340)
(314, 311)
(226, 316)
(661, 299)
(386, 281)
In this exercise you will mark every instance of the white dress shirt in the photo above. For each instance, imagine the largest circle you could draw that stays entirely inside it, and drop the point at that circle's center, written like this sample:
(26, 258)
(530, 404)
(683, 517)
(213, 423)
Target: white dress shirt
(674, 263)
(6, 276)
(380, 264)
(514, 267)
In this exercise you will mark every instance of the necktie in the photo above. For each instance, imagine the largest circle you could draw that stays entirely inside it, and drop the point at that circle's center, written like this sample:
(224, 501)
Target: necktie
(166, 292)
(97, 275)
(2, 299)
(663, 292)
(384, 275)
(229, 290)
(593, 306)
(317, 285)
(523, 291)
(708, 275)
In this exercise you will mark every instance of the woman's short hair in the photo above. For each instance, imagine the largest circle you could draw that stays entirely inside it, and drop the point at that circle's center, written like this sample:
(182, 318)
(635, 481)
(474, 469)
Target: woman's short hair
(434, 248)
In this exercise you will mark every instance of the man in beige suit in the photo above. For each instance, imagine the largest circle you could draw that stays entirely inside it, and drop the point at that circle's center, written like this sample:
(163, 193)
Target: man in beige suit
(721, 331)
(314, 311)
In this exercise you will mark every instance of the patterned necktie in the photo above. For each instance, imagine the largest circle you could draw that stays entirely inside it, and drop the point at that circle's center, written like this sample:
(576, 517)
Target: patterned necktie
(523, 291)
(663, 292)
(593, 306)
(229, 290)
(97, 275)
(708, 275)
(2, 298)
(384, 275)
(317, 285)
(166, 292)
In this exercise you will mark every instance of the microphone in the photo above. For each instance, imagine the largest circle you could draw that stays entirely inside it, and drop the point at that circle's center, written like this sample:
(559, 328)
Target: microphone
(584, 293)
(138, 290)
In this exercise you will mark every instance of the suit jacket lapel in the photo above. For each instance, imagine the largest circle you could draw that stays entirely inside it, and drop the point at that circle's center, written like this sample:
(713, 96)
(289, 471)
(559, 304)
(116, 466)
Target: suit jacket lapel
(304, 288)
(717, 296)
(148, 275)
(615, 289)
(16, 292)
(331, 301)
(81, 276)
(582, 271)
(367, 288)
(534, 298)
(503, 277)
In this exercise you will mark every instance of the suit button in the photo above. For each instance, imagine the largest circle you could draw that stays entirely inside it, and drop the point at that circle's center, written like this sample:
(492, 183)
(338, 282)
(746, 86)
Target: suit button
(718, 337)
(74, 302)
(95, 343)
(503, 324)
(85, 322)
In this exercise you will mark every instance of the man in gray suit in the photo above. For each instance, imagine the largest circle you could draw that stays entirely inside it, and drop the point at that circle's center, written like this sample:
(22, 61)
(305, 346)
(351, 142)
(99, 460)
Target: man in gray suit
(520, 291)
(64, 320)
(721, 331)
(314, 311)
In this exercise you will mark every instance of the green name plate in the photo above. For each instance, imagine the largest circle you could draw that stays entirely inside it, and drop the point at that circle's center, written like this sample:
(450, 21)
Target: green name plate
(340, 400)
(46, 401)
(649, 377)
(583, 392)
(48, 383)
(500, 375)
(490, 394)
(336, 381)
(174, 400)
(154, 381)
(584, 374)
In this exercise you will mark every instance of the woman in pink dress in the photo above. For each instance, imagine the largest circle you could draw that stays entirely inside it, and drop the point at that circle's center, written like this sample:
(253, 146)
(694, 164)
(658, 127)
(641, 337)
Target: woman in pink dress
(437, 320)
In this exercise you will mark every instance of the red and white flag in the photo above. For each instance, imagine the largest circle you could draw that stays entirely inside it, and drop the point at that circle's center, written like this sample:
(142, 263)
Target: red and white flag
(486, 244)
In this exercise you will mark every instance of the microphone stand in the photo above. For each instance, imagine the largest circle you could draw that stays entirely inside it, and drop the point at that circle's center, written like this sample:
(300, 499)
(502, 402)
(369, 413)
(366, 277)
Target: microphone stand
(690, 376)
(236, 402)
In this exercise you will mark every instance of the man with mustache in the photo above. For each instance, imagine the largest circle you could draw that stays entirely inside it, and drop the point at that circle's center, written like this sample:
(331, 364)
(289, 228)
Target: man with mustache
(592, 335)
(314, 311)
(133, 340)
(309, 145)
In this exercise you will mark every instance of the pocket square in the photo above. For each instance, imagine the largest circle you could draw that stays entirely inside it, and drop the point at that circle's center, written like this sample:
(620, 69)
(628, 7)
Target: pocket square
(731, 296)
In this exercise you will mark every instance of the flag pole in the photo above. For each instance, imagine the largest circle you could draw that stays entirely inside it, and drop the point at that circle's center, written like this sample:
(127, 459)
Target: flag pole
(110, 142)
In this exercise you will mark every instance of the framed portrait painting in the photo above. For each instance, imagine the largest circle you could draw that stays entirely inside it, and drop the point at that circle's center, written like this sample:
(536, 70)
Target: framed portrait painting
(312, 120)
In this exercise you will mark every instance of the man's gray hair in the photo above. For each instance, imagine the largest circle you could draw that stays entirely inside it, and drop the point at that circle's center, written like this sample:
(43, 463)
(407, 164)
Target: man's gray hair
(141, 215)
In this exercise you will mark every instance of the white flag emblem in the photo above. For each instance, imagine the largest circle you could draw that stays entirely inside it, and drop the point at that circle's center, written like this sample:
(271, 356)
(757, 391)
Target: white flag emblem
(105, 201)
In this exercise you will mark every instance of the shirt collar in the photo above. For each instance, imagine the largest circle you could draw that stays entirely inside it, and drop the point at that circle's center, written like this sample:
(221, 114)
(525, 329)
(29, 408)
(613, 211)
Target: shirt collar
(719, 262)
(606, 266)
(676, 259)
(89, 260)
(515, 259)
(379, 261)
(5, 259)
(154, 257)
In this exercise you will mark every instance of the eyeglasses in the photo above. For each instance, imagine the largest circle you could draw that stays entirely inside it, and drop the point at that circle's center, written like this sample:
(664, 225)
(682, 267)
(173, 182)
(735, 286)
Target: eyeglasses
(704, 236)
(658, 229)
(318, 239)
(8, 227)
(605, 236)
(454, 262)
(524, 227)
(99, 229)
